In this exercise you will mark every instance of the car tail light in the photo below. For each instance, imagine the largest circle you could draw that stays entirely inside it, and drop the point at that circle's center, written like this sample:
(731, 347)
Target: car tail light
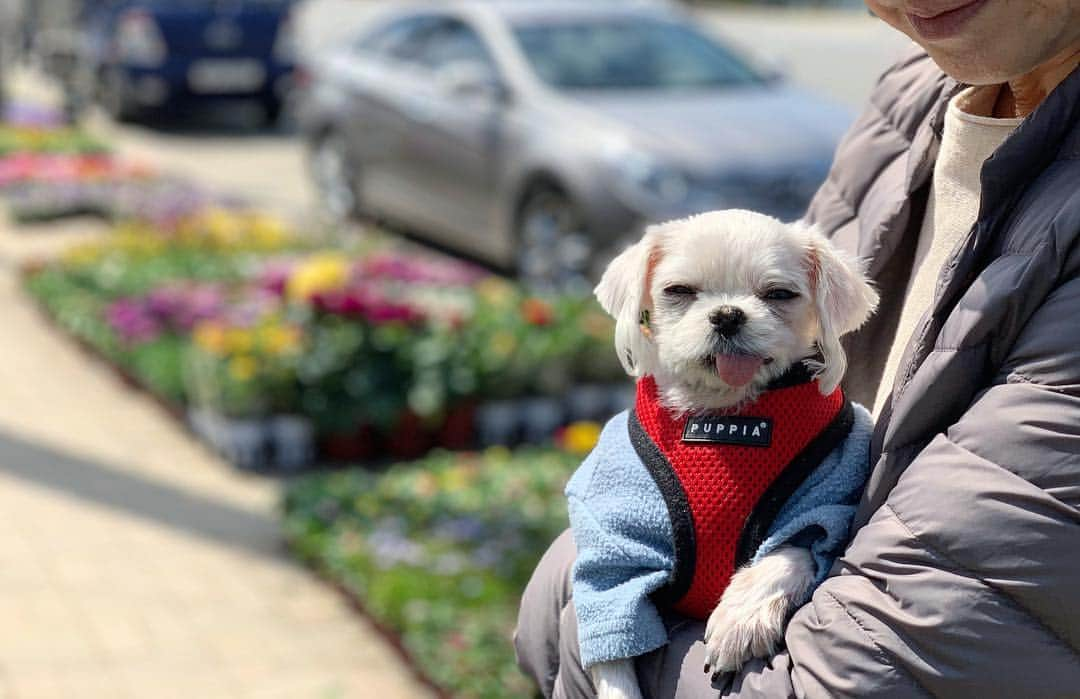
(285, 43)
(138, 40)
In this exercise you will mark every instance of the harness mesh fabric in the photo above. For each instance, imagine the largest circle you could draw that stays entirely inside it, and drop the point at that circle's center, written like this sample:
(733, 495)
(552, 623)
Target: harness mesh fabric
(721, 484)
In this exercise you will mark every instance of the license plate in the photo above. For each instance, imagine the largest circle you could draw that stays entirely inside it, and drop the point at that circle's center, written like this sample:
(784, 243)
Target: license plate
(223, 76)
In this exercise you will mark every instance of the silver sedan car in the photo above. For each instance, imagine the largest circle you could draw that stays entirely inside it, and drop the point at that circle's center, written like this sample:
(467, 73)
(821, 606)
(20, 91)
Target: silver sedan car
(537, 136)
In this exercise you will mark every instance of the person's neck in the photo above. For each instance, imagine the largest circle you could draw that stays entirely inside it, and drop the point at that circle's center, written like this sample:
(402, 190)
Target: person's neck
(1020, 97)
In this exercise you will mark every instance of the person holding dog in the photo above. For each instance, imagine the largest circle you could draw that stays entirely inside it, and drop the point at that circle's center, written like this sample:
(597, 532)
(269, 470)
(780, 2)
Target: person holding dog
(960, 188)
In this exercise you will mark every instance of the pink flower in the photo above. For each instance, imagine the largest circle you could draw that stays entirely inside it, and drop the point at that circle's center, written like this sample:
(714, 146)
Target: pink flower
(274, 276)
(131, 320)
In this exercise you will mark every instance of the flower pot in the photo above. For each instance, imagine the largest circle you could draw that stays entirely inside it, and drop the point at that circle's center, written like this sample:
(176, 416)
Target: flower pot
(622, 397)
(541, 416)
(292, 440)
(204, 423)
(409, 438)
(458, 429)
(357, 445)
(589, 402)
(245, 442)
(498, 422)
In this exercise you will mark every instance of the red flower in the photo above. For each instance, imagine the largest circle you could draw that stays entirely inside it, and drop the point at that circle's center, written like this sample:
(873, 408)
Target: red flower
(537, 312)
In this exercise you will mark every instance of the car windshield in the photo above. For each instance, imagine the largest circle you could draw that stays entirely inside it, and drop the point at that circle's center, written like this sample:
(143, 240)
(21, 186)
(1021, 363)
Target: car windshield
(629, 53)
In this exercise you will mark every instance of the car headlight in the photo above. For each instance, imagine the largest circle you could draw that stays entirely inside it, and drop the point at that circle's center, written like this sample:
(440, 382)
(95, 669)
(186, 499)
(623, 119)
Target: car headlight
(138, 40)
(643, 182)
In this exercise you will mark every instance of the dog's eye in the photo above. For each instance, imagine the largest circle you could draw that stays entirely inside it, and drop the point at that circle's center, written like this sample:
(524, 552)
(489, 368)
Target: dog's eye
(779, 295)
(680, 290)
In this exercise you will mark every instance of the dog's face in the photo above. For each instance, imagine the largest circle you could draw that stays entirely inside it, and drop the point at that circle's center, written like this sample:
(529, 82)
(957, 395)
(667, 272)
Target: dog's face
(717, 305)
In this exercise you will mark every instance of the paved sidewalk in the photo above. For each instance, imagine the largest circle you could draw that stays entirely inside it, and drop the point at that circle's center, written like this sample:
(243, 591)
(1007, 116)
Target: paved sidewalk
(133, 562)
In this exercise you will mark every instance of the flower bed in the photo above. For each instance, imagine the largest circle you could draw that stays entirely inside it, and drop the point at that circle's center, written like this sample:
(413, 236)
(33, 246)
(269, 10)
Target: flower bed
(120, 295)
(42, 135)
(231, 316)
(116, 192)
(438, 551)
(266, 340)
(50, 171)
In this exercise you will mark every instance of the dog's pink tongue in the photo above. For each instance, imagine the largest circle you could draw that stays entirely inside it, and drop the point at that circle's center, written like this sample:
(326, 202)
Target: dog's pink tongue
(737, 370)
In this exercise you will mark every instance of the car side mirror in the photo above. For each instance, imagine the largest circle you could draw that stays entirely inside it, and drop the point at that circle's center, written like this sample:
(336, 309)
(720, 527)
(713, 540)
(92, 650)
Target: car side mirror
(773, 69)
(772, 76)
(471, 80)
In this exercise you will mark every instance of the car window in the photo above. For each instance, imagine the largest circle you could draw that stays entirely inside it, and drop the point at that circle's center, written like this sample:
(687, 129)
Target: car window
(453, 41)
(629, 53)
(402, 39)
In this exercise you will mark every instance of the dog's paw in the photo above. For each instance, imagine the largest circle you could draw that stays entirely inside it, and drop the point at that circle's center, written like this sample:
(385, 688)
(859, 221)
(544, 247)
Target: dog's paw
(749, 621)
(737, 633)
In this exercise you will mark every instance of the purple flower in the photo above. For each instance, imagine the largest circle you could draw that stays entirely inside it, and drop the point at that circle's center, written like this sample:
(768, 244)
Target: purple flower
(461, 529)
(182, 306)
(164, 202)
(29, 114)
(390, 545)
(204, 303)
(164, 301)
(132, 321)
(172, 307)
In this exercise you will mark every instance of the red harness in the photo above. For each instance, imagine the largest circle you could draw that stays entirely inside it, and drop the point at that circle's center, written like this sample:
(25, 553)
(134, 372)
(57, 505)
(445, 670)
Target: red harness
(725, 476)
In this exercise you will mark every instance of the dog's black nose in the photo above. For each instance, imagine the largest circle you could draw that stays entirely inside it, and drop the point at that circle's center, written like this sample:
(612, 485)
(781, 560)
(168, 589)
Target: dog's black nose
(727, 320)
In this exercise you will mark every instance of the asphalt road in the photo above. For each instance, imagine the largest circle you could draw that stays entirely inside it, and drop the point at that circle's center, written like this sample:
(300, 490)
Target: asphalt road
(836, 53)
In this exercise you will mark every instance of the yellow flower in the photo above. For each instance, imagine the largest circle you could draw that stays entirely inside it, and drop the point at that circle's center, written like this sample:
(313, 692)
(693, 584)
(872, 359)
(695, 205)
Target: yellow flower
(221, 227)
(239, 340)
(457, 478)
(267, 232)
(320, 273)
(503, 343)
(136, 240)
(280, 339)
(211, 338)
(580, 437)
(496, 291)
(498, 452)
(243, 367)
(83, 254)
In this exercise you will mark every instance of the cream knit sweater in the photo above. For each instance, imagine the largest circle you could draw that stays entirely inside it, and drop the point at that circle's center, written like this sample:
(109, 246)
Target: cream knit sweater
(968, 139)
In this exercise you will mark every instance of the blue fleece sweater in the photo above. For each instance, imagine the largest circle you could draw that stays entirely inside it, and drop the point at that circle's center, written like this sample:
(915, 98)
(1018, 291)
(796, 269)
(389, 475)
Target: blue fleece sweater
(625, 542)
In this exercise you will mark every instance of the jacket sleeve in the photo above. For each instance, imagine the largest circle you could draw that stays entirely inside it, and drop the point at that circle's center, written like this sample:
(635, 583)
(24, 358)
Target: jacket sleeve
(819, 513)
(964, 583)
(625, 551)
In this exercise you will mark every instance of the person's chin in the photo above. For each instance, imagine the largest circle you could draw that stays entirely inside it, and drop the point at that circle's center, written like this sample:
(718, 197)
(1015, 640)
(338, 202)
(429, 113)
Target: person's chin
(963, 54)
(960, 66)
(970, 65)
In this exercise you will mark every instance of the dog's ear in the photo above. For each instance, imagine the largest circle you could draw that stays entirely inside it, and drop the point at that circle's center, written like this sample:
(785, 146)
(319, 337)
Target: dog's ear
(623, 292)
(843, 297)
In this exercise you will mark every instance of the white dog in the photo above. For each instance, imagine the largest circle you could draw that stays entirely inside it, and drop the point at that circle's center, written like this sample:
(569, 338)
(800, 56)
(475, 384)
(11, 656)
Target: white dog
(716, 309)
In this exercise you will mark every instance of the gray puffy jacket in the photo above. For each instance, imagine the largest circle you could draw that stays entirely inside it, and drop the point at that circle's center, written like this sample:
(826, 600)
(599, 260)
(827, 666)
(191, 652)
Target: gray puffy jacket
(963, 579)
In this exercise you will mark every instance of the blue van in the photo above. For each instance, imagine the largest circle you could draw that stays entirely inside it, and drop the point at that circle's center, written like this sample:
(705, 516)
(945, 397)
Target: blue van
(166, 56)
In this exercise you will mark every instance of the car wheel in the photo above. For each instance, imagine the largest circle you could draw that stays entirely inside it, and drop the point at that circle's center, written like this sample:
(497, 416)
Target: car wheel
(334, 176)
(554, 249)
